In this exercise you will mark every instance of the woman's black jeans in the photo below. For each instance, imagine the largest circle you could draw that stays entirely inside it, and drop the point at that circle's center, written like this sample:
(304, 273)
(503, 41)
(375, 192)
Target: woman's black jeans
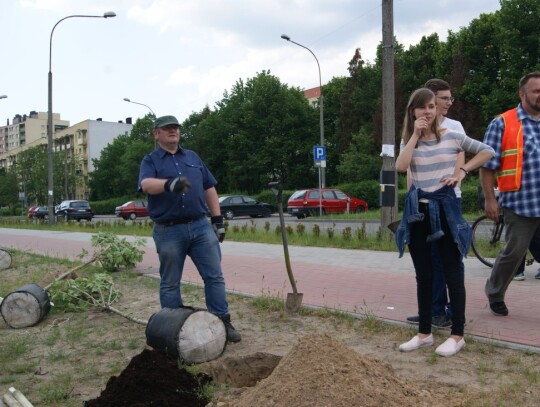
(450, 259)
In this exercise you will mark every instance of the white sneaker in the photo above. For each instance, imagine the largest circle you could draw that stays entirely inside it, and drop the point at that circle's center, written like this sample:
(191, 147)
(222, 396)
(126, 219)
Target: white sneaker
(450, 347)
(416, 343)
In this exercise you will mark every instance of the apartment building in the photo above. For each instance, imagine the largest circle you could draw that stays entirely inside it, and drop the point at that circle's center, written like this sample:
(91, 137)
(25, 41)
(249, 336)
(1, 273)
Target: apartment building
(28, 129)
(81, 142)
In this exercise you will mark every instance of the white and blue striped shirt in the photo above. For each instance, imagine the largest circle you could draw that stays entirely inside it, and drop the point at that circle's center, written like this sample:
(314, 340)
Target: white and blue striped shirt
(432, 161)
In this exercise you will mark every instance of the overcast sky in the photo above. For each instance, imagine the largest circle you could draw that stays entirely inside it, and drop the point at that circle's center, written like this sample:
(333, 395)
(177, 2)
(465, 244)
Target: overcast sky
(176, 56)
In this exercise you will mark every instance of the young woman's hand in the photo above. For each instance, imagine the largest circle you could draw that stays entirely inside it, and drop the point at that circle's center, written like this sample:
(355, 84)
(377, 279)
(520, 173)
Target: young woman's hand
(454, 180)
(420, 126)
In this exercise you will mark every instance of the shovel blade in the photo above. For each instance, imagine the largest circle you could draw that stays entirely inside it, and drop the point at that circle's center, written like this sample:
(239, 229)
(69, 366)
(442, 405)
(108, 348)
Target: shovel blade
(293, 302)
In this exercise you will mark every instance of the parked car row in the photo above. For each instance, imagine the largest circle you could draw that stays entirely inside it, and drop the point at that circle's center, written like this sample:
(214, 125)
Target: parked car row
(302, 203)
(67, 210)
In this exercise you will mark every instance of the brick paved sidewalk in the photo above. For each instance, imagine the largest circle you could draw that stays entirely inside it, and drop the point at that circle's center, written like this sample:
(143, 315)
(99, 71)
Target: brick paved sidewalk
(357, 281)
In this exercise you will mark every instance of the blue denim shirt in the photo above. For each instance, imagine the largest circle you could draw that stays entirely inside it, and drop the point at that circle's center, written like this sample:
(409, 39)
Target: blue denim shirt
(445, 196)
(169, 206)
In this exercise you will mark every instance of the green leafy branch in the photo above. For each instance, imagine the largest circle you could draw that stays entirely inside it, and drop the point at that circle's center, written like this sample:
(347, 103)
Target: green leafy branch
(114, 253)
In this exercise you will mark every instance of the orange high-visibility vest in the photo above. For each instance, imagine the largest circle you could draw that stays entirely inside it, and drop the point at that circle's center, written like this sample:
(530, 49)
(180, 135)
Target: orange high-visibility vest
(509, 174)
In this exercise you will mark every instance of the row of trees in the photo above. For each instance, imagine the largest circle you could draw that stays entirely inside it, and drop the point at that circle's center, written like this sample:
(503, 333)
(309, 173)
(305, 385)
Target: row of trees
(264, 130)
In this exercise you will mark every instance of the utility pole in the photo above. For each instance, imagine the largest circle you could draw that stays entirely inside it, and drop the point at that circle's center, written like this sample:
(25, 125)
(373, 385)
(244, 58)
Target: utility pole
(388, 196)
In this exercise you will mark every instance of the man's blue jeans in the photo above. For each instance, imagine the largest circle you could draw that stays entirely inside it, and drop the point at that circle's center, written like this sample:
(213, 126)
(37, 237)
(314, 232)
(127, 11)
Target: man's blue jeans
(198, 241)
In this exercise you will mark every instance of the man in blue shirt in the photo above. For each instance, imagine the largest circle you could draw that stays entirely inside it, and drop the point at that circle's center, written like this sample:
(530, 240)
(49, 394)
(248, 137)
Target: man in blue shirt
(181, 190)
(521, 208)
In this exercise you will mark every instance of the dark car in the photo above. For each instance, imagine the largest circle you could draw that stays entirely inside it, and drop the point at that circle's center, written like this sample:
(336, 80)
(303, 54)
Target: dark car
(242, 205)
(308, 202)
(132, 210)
(41, 212)
(75, 209)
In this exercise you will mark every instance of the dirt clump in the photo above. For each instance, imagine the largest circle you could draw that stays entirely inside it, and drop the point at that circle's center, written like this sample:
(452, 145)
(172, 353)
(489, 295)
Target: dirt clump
(152, 379)
(321, 371)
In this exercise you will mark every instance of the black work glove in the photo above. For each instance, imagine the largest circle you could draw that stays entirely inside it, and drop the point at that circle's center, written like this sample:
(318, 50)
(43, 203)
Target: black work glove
(219, 227)
(178, 185)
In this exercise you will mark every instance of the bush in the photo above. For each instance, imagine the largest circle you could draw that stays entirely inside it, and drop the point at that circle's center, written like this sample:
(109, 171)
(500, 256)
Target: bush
(369, 191)
(269, 197)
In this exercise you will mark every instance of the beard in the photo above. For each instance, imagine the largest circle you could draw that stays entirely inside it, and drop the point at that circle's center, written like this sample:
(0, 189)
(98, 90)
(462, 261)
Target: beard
(532, 103)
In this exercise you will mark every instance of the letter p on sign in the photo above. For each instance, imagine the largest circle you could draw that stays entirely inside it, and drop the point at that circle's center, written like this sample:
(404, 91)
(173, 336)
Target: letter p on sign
(319, 152)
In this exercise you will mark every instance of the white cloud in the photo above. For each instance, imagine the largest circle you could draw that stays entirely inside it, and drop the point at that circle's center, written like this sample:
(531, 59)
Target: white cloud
(179, 55)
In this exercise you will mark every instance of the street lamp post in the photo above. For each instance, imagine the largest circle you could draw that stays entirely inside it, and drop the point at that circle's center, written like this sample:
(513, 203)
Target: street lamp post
(138, 103)
(321, 124)
(50, 201)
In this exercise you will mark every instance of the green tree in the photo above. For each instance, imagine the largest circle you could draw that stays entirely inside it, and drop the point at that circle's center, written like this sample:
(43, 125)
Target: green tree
(116, 171)
(261, 130)
(31, 169)
(9, 189)
(361, 161)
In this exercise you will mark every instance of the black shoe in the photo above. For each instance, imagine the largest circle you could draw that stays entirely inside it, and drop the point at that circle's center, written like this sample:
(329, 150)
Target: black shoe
(441, 320)
(414, 319)
(232, 334)
(499, 308)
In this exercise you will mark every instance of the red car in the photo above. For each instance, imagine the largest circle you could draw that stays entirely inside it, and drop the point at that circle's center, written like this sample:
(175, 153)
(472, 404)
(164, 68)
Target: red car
(132, 210)
(306, 202)
(31, 211)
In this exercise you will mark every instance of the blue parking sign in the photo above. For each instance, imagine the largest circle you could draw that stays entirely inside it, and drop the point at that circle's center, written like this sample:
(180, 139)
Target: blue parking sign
(319, 152)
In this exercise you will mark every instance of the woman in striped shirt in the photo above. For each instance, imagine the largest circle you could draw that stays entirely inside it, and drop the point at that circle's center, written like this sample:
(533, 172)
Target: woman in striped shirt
(432, 214)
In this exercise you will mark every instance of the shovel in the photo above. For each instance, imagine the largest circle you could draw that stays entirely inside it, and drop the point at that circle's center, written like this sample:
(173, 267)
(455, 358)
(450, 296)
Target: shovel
(294, 299)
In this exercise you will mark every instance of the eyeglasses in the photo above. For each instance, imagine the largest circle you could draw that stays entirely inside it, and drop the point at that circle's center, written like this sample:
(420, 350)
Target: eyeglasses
(446, 98)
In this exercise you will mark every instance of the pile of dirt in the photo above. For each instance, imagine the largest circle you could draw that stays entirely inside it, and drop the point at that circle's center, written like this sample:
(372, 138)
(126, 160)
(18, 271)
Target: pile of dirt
(152, 379)
(320, 371)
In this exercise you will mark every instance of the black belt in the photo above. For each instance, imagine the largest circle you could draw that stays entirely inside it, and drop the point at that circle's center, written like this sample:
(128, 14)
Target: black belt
(181, 221)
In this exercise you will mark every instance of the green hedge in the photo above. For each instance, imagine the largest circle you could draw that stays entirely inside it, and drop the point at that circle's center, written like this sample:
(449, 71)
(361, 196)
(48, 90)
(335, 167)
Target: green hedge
(107, 206)
(269, 197)
(366, 190)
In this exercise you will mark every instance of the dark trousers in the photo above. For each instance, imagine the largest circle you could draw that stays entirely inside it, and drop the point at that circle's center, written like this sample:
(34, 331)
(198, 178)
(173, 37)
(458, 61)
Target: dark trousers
(450, 259)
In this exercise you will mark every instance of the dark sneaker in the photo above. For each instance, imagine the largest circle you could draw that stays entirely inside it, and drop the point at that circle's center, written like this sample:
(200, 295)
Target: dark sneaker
(537, 275)
(232, 334)
(519, 277)
(414, 319)
(499, 308)
(441, 321)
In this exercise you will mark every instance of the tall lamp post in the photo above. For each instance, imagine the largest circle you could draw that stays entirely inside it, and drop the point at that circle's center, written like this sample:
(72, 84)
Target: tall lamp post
(50, 201)
(138, 103)
(321, 169)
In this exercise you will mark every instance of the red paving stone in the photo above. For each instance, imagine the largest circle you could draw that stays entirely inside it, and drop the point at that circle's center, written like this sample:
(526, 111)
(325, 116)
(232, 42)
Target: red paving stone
(361, 282)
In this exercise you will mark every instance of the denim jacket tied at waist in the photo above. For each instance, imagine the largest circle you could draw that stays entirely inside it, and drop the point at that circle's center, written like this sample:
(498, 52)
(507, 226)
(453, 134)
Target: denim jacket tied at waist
(445, 197)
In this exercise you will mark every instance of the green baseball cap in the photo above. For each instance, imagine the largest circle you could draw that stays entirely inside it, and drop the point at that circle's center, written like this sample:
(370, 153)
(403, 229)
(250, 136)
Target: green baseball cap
(165, 121)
